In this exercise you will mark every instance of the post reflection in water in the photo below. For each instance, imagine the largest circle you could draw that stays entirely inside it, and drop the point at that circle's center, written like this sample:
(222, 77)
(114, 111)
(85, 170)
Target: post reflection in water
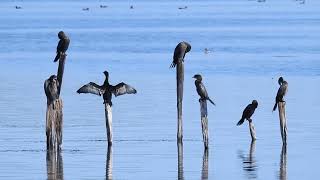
(109, 163)
(249, 162)
(283, 163)
(205, 165)
(180, 161)
(54, 165)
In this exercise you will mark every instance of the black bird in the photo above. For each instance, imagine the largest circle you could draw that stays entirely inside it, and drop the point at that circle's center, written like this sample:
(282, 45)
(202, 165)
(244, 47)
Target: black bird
(179, 52)
(51, 89)
(201, 89)
(282, 91)
(106, 90)
(248, 112)
(62, 45)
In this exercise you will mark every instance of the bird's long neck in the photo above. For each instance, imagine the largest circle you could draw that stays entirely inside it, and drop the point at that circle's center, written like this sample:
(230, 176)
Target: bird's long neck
(198, 81)
(106, 82)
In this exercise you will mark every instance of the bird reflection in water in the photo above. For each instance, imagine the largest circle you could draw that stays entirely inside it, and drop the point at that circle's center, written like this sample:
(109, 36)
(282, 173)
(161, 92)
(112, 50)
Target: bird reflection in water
(283, 163)
(249, 163)
(180, 161)
(205, 165)
(109, 163)
(54, 165)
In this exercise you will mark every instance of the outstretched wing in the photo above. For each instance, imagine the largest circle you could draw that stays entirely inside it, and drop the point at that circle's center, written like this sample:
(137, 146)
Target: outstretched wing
(123, 88)
(91, 88)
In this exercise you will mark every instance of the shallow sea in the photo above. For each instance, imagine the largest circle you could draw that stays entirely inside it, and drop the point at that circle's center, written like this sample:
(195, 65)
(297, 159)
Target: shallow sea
(250, 45)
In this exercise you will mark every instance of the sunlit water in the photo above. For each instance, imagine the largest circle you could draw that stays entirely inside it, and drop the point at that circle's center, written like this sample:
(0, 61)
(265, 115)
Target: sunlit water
(250, 45)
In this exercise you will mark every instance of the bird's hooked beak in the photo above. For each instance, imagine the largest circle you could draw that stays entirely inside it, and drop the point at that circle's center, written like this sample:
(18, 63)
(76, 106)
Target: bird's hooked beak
(194, 77)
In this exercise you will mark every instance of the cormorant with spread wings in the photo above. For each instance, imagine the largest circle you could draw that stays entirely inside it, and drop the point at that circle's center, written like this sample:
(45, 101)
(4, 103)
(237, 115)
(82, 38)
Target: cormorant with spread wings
(106, 90)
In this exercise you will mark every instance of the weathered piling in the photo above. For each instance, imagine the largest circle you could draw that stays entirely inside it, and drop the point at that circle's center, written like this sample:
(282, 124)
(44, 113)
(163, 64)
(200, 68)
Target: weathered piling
(283, 121)
(205, 165)
(180, 80)
(252, 130)
(180, 161)
(283, 163)
(54, 165)
(109, 163)
(204, 122)
(54, 122)
(108, 115)
(61, 70)
(54, 113)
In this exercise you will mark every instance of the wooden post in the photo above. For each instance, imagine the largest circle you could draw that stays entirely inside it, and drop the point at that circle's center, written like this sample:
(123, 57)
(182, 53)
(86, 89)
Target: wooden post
(205, 165)
(54, 165)
(180, 79)
(108, 115)
(252, 130)
(283, 163)
(180, 161)
(54, 122)
(109, 163)
(61, 70)
(204, 122)
(283, 121)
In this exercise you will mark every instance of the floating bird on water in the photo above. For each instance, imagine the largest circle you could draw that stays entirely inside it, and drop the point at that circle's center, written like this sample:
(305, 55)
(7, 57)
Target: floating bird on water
(248, 112)
(62, 45)
(201, 89)
(282, 91)
(51, 89)
(179, 52)
(185, 7)
(85, 9)
(106, 90)
(103, 6)
(18, 7)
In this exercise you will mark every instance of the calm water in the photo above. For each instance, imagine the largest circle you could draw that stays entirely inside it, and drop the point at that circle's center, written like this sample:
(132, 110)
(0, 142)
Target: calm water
(251, 44)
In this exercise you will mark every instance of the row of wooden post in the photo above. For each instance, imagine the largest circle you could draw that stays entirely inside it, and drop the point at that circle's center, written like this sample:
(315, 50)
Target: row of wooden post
(204, 113)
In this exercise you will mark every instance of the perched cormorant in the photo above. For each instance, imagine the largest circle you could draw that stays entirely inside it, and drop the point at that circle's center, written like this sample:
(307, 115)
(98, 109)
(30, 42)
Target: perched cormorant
(106, 90)
(179, 52)
(51, 88)
(62, 45)
(201, 89)
(282, 91)
(248, 111)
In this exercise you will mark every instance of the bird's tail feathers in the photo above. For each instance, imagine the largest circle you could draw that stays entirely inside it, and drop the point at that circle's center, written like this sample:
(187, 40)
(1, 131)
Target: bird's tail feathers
(240, 122)
(57, 57)
(173, 65)
(275, 106)
(211, 101)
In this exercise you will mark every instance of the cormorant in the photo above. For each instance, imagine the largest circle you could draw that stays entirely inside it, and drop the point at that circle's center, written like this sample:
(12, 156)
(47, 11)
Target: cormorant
(62, 45)
(248, 111)
(179, 52)
(106, 90)
(51, 88)
(201, 89)
(283, 89)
